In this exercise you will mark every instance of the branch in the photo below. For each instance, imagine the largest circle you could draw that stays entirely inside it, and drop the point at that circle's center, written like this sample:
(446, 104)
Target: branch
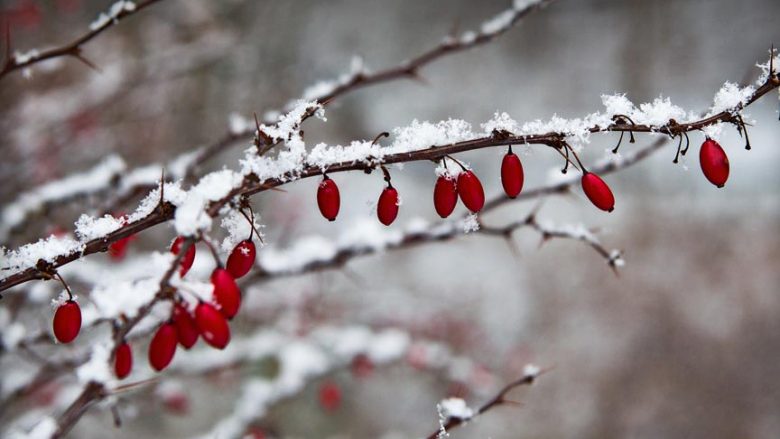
(363, 156)
(530, 374)
(185, 165)
(74, 48)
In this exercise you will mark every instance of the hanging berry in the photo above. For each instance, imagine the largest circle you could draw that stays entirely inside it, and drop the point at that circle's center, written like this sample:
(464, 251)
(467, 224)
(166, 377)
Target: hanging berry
(123, 360)
(330, 396)
(189, 257)
(241, 259)
(212, 325)
(512, 176)
(186, 331)
(163, 346)
(328, 198)
(598, 192)
(67, 321)
(470, 190)
(445, 196)
(387, 208)
(714, 162)
(226, 292)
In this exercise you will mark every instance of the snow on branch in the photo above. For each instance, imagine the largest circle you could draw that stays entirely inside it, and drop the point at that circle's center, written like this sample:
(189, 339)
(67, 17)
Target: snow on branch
(136, 181)
(420, 141)
(120, 10)
(454, 412)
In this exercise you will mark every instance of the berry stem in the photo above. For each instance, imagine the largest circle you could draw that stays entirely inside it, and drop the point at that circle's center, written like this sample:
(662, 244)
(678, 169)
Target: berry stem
(64, 284)
(213, 251)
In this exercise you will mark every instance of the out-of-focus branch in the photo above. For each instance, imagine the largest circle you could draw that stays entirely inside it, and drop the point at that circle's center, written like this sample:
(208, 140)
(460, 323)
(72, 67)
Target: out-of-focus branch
(119, 11)
(453, 421)
(185, 166)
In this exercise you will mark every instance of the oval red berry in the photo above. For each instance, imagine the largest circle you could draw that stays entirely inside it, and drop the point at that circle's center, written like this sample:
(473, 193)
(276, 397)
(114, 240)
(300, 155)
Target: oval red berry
(67, 322)
(598, 192)
(470, 190)
(123, 360)
(714, 162)
(212, 325)
(330, 396)
(387, 208)
(189, 257)
(445, 196)
(163, 346)
(186, 331)
(328, 199)
(512, 176)
(241, 259)
(226, 292)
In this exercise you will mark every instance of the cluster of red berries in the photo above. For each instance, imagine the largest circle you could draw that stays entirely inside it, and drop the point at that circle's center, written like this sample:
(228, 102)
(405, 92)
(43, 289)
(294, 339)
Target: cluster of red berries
(209, 320)
(468, 188)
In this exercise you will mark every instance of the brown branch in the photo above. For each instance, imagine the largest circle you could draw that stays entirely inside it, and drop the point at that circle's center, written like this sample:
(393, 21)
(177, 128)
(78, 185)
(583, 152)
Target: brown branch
(251, 185)
(74, 48)
(499, 399)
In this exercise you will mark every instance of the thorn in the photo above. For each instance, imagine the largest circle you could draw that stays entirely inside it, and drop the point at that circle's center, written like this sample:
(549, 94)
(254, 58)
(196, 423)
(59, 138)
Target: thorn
(77, 54)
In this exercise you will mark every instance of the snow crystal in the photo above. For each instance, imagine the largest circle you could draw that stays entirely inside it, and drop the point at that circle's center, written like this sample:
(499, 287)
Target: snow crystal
(500, 122)
(191, 216)
(713, 131)
(89, 227)
(531, 370)
(23, 57)
(28, 255)
(238, 229)
(498, 23)
(422, 135)
(470, 223)
(455, 408)
(116, 10)
(730, 97)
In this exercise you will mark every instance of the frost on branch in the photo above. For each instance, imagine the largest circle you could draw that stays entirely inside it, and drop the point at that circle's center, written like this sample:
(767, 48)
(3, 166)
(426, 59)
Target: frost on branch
(114, 13)
(101, 175)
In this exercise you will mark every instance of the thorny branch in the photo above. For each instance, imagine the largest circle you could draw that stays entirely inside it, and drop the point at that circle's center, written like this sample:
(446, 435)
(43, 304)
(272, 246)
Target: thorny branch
(357, 80)
(499, 399)
(74, 48)
(250, 184)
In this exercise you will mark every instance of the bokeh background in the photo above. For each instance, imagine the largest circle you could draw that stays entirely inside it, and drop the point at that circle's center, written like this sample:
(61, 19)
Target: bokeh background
(684, 343)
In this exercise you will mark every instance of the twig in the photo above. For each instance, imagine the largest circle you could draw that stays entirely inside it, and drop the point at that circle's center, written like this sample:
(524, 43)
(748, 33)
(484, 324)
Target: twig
(74, 48)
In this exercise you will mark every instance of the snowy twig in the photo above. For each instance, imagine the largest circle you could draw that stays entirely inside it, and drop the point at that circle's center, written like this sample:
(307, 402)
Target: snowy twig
(121, 9)
(263, 175)
(530, 374)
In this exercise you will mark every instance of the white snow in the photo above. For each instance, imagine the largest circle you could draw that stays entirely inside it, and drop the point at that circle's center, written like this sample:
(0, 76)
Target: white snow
(455, 408)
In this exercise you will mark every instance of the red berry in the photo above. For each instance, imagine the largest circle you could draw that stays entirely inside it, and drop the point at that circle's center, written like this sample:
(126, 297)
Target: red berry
(67, 321)
(328, 199)
(226, 292)
(163, 346)
(123, 360)
(186, 331)
(118, 249)
(714, 162)
(212, 325)
(387, 208)
(445, 196)
(241, 259)
(470, 191)
(330, 396)
(598, 192)
(361, 366)
(512, 174)
(189, 257)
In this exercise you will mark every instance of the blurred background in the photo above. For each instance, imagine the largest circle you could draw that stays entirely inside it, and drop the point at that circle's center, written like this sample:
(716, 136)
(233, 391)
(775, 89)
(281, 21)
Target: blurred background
(683, 343)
